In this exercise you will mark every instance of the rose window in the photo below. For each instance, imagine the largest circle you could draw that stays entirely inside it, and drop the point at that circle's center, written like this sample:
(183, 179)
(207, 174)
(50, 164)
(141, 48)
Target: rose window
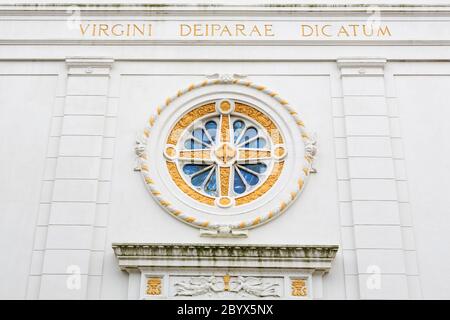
(225, 153)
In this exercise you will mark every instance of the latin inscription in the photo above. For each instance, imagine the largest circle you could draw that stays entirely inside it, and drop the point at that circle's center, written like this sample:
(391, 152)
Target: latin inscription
(229, 31)
(226, 30)
(116, 30)
(344, 31)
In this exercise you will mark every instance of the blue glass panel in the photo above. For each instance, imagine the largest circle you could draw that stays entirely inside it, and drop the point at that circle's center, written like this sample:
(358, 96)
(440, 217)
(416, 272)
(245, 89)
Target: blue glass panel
(238, 126)
(211, 127)
(250, 177)
(211, 186)
(198, 179)
(258, 167)
(239, 186)
(201, 135)
(192, 144)
(257, 143)
(193, 168)
(249, 133)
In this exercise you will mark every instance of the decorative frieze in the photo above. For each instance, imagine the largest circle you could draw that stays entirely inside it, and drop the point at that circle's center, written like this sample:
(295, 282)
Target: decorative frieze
(225, 271)
(226, 286)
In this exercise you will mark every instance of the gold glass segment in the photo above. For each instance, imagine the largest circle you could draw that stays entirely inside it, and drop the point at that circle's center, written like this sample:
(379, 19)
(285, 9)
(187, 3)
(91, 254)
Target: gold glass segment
(187, 120)
(224, 177)
(262, 119)
(266, 186)
(179, 181)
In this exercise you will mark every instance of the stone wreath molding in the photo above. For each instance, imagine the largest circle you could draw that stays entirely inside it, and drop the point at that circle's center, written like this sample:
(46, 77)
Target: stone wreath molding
(225, 228)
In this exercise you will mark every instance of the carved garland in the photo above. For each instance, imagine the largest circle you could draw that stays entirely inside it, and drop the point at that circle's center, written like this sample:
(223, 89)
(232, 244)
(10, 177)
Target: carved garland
(310, 151)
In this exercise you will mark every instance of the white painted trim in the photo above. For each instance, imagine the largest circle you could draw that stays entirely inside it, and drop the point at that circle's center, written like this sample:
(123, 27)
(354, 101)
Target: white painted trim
(248, 8)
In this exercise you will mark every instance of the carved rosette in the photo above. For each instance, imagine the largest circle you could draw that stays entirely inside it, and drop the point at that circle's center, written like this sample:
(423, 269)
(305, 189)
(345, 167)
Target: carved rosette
(299, 287)
(154, 286)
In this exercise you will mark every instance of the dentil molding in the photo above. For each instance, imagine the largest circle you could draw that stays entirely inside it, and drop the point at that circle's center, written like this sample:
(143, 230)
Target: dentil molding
(140, 255)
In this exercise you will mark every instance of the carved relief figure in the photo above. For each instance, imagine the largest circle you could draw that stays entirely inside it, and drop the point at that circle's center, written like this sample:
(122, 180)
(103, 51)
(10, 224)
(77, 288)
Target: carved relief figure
(255, 287)
(244, 286)
(197, 286)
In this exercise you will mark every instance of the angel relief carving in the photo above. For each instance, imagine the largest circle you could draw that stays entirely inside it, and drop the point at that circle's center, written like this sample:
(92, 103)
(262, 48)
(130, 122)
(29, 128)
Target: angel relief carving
(242, 286)
(256, 287)
(197, 286)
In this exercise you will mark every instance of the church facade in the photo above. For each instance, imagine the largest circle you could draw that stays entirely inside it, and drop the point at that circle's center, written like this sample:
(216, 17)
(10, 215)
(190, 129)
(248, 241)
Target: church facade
(241, 150)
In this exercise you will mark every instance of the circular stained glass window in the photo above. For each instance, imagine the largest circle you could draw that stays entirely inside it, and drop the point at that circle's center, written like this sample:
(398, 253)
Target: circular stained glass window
(225, 156)
(226, 153)
(246, 174)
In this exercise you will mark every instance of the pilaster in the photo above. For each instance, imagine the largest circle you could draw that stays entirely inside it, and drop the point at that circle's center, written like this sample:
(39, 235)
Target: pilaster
(73, 253)
(374, 238)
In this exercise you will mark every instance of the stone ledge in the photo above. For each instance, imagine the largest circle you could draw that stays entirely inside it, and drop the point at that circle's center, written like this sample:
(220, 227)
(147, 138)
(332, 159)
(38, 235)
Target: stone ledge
(141, 255)
(89, 61)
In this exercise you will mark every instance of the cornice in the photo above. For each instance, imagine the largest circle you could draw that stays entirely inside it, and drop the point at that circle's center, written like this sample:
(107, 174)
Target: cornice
(89, 66)
(206, 9)
(214, 251)
(140, 256)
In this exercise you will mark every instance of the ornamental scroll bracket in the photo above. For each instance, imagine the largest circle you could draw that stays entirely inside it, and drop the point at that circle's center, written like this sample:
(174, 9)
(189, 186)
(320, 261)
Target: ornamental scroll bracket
(311, 150)
(223, 232)
(139, 150)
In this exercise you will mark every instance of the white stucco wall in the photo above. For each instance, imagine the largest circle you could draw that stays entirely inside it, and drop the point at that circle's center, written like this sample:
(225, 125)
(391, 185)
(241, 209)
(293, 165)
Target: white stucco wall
(68, 189)
(423, 112)
(26, 109)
